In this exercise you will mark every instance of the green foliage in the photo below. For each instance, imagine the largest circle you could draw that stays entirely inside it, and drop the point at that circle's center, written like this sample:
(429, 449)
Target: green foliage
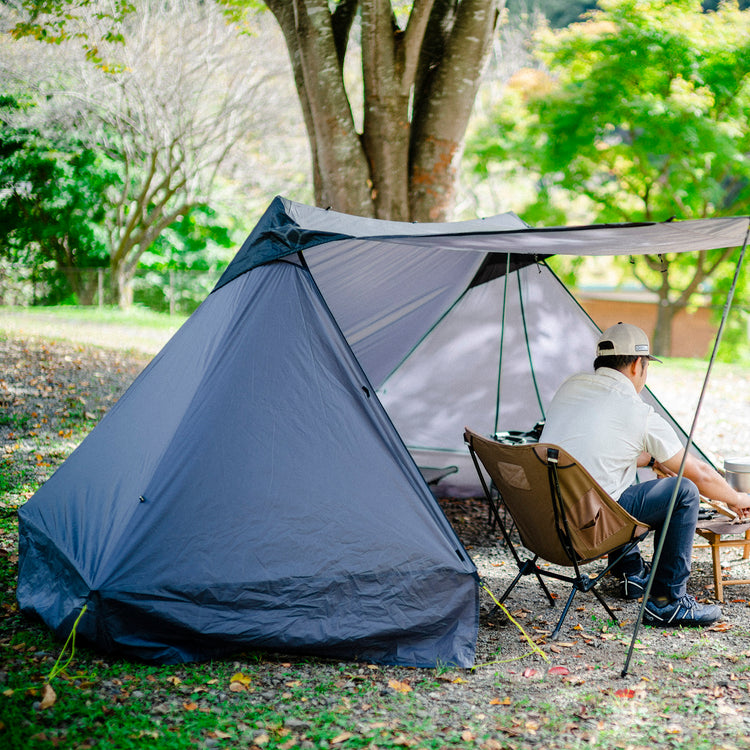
(639, 113)
(52, 202)
(55, 21)
(195, 248)
(645, 112)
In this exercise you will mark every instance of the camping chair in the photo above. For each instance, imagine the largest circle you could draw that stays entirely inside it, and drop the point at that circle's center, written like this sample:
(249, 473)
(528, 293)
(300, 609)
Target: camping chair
(720, 531)
(562, 515)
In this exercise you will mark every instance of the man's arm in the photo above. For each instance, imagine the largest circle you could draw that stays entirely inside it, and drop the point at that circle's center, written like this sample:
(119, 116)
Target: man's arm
(709, 482)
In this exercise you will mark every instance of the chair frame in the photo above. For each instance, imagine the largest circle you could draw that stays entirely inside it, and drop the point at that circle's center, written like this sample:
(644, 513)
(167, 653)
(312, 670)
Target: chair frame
(578, 581)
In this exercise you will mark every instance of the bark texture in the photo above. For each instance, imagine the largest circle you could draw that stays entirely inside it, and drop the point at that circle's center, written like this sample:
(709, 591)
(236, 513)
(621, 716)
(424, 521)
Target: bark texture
(419, 80)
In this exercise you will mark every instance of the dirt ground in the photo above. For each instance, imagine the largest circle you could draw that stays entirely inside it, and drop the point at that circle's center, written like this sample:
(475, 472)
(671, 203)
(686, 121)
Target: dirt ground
(696, 679)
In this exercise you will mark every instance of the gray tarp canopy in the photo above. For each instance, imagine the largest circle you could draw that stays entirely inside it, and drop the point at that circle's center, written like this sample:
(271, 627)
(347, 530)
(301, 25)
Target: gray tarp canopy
(258, 485)
(441, 336)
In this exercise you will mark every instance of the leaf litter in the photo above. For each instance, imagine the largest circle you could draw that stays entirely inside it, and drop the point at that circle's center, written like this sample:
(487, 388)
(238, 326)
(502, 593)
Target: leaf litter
(687, 684)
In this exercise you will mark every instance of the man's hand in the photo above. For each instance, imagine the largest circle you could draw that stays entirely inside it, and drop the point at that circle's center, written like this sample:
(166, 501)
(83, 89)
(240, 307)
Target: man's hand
(663, 471)
(710, 483)
(742, 506)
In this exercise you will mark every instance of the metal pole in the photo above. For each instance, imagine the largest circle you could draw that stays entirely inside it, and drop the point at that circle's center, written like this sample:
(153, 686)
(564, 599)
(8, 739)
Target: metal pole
(670, 509)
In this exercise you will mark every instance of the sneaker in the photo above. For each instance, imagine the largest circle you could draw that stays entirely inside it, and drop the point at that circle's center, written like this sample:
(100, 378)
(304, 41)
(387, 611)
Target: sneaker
(634, 586)
(684, 611)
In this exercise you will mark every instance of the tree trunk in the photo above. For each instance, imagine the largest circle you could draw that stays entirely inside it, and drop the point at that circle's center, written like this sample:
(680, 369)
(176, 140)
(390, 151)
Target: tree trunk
(661, 343)
(452, 70)
(342, 175)
(419, 84)
(122, 290)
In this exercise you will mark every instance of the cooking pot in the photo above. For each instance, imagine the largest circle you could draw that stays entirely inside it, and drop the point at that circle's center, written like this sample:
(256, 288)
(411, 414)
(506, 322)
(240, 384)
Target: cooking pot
(737, 472)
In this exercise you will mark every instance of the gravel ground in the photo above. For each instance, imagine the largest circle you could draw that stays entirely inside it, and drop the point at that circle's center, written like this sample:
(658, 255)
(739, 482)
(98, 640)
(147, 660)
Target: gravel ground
(669, 669)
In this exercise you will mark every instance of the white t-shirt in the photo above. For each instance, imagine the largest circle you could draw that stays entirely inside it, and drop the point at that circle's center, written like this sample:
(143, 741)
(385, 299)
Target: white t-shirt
(600, 419)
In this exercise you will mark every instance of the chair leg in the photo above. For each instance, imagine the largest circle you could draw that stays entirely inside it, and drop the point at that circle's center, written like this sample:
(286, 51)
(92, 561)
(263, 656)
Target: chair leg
(526, 568)
(746, 548)
(550, 598)
(556, 631)
(606, 606)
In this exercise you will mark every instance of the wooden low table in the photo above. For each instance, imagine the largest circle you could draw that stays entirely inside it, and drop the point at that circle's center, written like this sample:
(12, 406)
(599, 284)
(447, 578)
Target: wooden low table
(720, 533)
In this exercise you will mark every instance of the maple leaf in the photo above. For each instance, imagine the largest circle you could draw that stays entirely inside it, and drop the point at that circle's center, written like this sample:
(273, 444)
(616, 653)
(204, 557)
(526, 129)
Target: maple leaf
(625, 693)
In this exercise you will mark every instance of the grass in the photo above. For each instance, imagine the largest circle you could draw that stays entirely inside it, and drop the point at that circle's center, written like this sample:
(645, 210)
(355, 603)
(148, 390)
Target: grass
(689, 690)
(139, 317)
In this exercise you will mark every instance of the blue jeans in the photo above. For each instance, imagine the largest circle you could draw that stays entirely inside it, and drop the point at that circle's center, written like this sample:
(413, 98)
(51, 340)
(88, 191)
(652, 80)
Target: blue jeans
(649, 502)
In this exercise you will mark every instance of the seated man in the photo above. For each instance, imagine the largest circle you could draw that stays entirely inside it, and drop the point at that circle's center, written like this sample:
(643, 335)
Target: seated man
(600, 419)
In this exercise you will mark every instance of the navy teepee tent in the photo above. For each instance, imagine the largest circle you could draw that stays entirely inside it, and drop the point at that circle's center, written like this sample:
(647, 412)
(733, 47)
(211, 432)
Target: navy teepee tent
(250, 489)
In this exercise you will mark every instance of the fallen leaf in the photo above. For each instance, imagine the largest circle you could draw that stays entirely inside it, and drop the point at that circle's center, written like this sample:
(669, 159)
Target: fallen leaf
(242, 679)
(558, 670)
(48, 697)
(720, 627)
(339, 738)
(400, 687)
(468, 736)
(497, 702)
(530, 672)
(625, 693)
(237, 687)
(404, 741)
(190, 706)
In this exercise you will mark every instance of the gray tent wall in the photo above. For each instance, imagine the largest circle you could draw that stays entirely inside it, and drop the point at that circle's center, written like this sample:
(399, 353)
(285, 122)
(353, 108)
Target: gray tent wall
(495, 372)
(249, 490)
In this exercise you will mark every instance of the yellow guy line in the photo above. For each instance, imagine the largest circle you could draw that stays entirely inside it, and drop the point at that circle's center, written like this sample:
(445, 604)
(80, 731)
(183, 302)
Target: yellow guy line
(534, 648)
(56, 670)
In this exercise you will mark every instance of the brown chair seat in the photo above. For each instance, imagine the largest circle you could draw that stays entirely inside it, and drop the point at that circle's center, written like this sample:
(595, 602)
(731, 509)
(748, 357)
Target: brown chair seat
(562, 514)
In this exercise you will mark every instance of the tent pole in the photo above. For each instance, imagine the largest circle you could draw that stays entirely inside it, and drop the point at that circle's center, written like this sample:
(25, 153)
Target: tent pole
(528, 345)
(502, 337)
(670, 509)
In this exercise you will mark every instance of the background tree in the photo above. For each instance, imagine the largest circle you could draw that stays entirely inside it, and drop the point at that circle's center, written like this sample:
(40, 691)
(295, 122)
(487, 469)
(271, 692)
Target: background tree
(51, 204)
(173, 115)
(642, 116)
(421, 66)
(171, 119)
(385, 142)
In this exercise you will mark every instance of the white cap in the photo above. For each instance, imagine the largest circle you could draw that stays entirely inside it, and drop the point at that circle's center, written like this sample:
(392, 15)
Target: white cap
(624, 339)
